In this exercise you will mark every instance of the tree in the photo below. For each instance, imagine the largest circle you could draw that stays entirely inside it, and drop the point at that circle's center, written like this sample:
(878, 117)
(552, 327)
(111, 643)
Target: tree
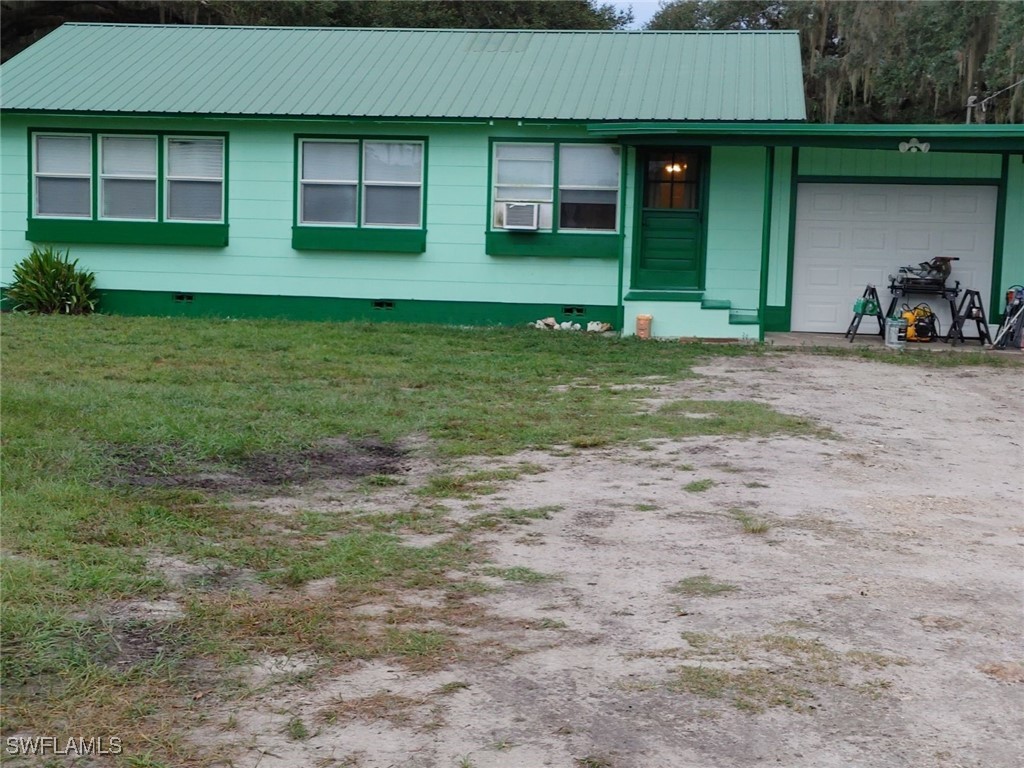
(22, 22)
(872, 61)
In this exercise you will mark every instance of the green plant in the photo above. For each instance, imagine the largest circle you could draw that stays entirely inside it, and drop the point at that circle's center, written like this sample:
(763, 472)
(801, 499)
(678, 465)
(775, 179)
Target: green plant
(48, 282)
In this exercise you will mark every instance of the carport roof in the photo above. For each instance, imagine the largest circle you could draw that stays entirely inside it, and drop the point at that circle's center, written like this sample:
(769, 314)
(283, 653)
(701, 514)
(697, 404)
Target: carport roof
(959, 137)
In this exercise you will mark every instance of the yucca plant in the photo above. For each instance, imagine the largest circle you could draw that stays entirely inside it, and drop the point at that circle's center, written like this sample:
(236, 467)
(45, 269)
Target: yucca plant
(48, 282)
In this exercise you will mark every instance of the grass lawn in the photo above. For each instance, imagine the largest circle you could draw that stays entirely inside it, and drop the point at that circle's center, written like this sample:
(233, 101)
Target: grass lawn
(126, 440)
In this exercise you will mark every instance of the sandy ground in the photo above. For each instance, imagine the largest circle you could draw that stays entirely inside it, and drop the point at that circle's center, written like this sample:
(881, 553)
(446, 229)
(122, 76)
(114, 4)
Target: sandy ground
(877, 622)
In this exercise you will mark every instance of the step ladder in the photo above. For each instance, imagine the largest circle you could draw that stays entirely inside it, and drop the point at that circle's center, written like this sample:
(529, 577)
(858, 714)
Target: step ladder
(867, 304)
(970, 309)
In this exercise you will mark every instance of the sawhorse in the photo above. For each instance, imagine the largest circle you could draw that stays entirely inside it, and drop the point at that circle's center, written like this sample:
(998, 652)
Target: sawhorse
(970, 308)
(867, 302)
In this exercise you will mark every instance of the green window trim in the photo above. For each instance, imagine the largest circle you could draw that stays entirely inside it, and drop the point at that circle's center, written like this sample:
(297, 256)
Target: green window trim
(553, 242)
(404, 240)
(126, 232)
(358, 235)
(99, 230)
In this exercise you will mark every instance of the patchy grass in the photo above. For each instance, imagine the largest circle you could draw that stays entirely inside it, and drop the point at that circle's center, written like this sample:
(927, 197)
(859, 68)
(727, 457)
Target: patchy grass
(506, 517)
(126, 438)
(391, 707)
(749, 523)
(699, 486)
(753, 690)
(519, 574)
(689, 418)
(925, 356)
(701, 586)
(757, 672)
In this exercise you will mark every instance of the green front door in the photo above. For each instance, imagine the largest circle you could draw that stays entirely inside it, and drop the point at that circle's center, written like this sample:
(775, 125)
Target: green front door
(671, 220)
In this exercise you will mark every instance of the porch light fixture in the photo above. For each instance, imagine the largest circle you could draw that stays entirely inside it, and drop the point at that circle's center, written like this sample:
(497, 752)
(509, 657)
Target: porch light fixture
(914, 146)
(675, 168)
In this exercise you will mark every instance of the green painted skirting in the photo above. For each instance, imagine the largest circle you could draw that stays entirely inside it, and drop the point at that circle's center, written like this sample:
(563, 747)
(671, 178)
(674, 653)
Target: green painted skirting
(126, 232)
(359, 239)
(558, 244)
(776, 319)
(162, 304)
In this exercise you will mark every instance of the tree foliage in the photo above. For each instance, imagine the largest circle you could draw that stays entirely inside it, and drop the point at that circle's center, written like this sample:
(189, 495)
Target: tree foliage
(22, 22)
(872, 61)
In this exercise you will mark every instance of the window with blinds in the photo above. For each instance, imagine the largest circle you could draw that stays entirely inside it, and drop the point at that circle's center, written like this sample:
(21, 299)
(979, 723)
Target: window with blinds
(195, 179)
(126, 176)
(356, 183)
(63, 176)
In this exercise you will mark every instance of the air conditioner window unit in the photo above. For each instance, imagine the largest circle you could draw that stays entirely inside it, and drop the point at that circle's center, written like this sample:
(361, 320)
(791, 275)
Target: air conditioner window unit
(522, 215)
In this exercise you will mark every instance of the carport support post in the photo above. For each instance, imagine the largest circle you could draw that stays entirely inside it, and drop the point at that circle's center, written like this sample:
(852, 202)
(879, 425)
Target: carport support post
(766, 236)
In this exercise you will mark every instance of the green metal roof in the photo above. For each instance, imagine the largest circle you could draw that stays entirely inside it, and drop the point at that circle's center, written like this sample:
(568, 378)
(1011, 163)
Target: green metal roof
(409, 73)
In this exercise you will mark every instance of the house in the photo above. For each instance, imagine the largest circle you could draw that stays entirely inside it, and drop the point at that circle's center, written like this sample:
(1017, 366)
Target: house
(484, 177)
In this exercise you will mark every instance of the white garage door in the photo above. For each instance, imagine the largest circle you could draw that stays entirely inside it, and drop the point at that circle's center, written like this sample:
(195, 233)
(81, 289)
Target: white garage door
(849, 235)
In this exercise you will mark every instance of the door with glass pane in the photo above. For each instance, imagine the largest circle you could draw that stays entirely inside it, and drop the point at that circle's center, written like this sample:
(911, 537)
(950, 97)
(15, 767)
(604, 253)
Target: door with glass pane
(672, 186)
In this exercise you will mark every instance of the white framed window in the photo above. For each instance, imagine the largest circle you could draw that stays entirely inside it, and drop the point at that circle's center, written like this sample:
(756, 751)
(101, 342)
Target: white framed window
(524, 173)
(328, 182)
(360, 183)
(588, 187)
(62, 176)
(392, 184)
(194, 179)
(588, 184)
(128, 177)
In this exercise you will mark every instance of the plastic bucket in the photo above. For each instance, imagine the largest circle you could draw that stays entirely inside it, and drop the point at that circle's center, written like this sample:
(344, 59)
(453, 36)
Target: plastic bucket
(895, 332)
(643, 326)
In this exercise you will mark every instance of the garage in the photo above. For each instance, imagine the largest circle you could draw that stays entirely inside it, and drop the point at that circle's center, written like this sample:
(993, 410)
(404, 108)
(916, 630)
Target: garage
(849, 235)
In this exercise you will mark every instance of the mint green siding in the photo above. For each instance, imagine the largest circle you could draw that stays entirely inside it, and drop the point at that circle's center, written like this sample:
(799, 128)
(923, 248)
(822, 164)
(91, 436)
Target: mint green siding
(826, 161)
(259, 259)
(779, 235)
(1013, 236)
(735, 213)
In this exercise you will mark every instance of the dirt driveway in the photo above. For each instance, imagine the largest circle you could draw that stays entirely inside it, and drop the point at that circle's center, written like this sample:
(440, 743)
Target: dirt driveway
(711, 602)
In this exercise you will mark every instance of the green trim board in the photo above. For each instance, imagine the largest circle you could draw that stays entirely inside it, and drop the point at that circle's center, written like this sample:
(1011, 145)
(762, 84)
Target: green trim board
(996, 300)
(306, 238)
(95, 229)
(553, 244)
(766, 236)
(71, 231)
(637, 295)
(781, 318)
(914, 180)
(324, 308)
